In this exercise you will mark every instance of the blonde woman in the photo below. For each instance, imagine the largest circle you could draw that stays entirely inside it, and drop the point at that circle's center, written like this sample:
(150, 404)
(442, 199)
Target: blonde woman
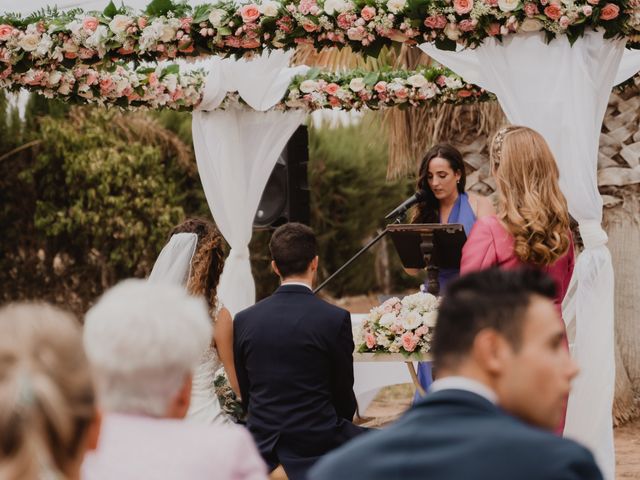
(531, 227)
(48, 418)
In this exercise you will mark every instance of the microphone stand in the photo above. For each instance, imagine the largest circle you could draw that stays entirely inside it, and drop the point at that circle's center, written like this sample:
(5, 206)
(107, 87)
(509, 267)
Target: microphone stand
(398, 219)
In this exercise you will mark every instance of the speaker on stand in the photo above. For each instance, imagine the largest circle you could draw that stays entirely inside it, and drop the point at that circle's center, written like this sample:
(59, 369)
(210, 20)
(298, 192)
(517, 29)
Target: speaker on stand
(286, 196)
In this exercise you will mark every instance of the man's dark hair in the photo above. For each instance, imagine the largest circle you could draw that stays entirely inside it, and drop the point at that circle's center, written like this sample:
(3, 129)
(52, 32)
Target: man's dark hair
(493, 298)
(293, 246)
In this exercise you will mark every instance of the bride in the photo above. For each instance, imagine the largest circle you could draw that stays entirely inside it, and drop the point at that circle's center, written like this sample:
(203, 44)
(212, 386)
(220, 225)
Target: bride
(194, 257)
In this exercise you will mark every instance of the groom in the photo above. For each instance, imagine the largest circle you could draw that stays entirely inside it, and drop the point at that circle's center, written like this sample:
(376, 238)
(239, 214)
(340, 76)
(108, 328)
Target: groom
(293, 357)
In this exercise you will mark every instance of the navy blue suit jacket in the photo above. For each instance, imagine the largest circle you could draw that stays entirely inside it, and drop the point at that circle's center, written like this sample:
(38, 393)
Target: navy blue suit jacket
(458, 435)
(294, 360)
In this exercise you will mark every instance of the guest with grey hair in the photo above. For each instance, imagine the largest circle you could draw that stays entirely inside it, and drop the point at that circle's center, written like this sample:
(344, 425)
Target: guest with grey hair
(144, 342)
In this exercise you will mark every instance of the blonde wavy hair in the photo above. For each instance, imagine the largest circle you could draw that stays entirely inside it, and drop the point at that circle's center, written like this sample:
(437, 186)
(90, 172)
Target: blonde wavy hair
(207, 262)
(530, 203)
(47, 399)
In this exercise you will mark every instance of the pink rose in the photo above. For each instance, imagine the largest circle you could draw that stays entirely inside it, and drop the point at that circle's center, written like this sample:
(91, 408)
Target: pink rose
(609, 12)
(368, 13)
(409, 342)
(309, 26)
(466, 25)
(441, 81)
(593, 2)
(250, 43)
(356, 34)
(5, 32)
(493, 29)
(106, 85)
(185, 23)
(553, 11)
(564, 22)
(233, 42)
(380, 87)
(464, 93)
(92, 78)
(249, 13)
(332, 88)
(335, 102)
(401, 93)
(346, 20)
(437, 22)
(491, 3)
(370, 340)
(306, 6)
(90, 23)
(462, 6)
(587, 10)
(530, 9)
(285, 24)
(420, 331)
(153, 80)
(142, 22)
(85, 53)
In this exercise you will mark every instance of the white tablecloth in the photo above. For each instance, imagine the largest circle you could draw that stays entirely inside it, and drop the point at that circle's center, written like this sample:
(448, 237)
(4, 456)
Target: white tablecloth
(370, 377)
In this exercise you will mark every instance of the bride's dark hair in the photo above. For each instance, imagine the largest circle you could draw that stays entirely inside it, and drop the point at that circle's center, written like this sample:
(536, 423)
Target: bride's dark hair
(208, 259)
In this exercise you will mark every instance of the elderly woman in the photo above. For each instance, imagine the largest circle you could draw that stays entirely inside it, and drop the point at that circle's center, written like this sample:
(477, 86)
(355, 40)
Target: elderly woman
(144, 342)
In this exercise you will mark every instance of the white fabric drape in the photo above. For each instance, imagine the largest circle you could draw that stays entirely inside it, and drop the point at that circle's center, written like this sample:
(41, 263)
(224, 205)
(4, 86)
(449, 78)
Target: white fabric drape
(562, 91)
(236, 151)
(174, 262)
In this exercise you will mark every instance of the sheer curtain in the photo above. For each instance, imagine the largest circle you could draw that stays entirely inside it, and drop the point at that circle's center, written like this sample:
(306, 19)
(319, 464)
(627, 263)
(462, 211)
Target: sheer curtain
(562, 91)
(236, 150)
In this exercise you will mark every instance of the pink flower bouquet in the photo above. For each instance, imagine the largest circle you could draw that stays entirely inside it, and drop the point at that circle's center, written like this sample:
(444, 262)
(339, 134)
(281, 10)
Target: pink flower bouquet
(400, 326)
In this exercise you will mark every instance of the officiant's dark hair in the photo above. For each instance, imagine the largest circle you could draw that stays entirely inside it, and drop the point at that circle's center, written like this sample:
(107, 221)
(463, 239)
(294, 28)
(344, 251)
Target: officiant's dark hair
(428, 211)
(293, 246)
(495, 299)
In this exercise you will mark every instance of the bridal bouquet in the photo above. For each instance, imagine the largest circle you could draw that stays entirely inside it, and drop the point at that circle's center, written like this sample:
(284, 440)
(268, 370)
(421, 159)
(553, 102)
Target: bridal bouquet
(400, 326)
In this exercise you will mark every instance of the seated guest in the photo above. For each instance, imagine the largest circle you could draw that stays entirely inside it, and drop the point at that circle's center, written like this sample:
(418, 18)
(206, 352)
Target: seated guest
(503, 376)
(48, 418)
(294, 360)
(144, 342)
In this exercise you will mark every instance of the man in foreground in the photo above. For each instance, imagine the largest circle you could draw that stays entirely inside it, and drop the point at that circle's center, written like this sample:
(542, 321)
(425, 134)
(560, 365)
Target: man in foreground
(503, 376)
(293, 356)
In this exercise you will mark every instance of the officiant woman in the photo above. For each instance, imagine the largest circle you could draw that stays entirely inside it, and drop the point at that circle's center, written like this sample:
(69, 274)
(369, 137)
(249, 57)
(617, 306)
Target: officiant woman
(442, 177)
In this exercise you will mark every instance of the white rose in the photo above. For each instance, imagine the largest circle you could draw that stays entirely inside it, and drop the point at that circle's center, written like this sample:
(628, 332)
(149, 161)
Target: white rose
(357, 84)
(429, 91)
(54, 78)
(429, 319)
(383, 341)
(269, 9)
(29, 42)
(417, 81)
(387, 319)
(396, 6)
(97, 38)
(333, 6)
(44, 45)
(308, 86)
(411, 321)
(531, 25)
(452, 32)
(452, 82)
(508, 5)
(119, 24)
(216, 17)
(168, 34)
(171, 82)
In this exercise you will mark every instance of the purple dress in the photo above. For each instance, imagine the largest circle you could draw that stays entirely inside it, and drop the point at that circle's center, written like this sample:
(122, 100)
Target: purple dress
(460, 213)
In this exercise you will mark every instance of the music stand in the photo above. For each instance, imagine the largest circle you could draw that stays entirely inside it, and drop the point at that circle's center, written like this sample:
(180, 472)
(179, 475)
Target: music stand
(430, 245)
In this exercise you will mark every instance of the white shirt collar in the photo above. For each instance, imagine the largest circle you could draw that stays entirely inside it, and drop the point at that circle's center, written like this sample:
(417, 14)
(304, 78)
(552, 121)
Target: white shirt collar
(466, 384)
(296, 283)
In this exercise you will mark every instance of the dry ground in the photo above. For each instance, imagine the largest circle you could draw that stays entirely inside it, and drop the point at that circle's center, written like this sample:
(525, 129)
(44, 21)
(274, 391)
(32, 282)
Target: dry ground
(392, 401)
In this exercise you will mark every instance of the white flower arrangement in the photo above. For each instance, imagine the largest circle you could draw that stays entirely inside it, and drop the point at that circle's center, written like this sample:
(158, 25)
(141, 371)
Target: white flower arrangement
(400, 326)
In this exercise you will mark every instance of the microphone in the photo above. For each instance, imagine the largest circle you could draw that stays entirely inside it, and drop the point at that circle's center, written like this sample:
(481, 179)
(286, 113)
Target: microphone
(401, 209)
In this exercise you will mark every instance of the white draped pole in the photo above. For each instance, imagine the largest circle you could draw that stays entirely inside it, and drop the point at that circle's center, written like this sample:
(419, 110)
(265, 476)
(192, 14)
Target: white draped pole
(236, 151)
(562, 92)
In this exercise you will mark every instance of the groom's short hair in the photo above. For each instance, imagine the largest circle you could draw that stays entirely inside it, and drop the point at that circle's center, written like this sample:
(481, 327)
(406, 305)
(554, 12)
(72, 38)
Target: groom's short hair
(293, 246)
(493, 298)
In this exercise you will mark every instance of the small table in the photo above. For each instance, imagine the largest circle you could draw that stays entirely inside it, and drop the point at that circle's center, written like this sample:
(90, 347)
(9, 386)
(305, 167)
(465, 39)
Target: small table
(397, 357)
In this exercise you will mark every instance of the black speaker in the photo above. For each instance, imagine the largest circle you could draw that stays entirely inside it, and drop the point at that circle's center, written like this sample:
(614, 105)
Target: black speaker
(286, 196)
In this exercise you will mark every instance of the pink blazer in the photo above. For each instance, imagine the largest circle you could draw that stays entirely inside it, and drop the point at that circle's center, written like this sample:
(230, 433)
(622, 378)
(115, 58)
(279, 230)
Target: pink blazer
(134, 447)
(490, 244)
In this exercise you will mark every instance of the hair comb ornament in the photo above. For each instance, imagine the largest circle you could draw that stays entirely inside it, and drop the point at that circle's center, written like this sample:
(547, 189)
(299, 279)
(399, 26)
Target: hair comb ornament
(496, 147)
